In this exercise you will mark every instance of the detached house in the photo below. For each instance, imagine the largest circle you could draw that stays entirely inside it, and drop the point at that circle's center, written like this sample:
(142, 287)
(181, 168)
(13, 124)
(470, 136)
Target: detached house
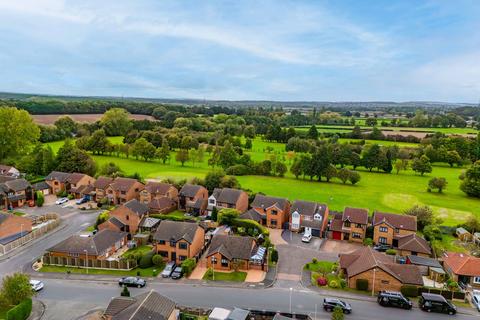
(122, 190)
(159, 197)
(413, 245)
(228, 198)
(350, 225)
(9, 171)
(80, 184)
(310, 217)
(126, 218)
(58, 181)
(269, 211)
(193, 199)
(14, 192)
(463, 268)
(388, 228)
(228, 253)
(100, 187)
(178, 241)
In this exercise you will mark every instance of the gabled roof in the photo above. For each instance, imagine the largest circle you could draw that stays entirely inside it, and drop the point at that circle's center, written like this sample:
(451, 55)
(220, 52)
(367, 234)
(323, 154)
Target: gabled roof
(190, 190)
(148, 305)
(76, 177)
(123, 184)
(57, 175)
(149, 222)
(462, 264)
(161, 203)
(157, 187)
(227, 195)
(17, 184)
(422, 261)
(252, 214)
(355, 215)
(414, 243)
(176, 230)
(336, 224)
(232, 247)
(366, 258)
(116, 222)
(103, 182)
(262, 201)
(308, 208)
(137, 207)
(42, 185)
(400, 221)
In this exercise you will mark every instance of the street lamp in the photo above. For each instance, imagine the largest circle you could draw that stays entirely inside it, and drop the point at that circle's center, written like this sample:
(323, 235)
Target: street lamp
(291, 290)
(86, 260)
(21, 234)
(373, 284)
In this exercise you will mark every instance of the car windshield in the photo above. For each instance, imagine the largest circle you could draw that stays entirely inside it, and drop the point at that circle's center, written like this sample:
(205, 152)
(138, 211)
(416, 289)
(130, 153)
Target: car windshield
(178, 269)
(168, 268)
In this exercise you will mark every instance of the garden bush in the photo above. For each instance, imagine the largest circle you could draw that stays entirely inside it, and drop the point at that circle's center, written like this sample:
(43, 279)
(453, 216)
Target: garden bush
(125, 292)
(274, 256)
(188, 265)
(146, 260)
(157, 260)
(238, 170)
(368, 242)
(343, 283)
(362, 284)
(321, 281)
(333, 284)
(21, 311)
(391, 252)
(409, 291)
(40, 199)
(70, 197)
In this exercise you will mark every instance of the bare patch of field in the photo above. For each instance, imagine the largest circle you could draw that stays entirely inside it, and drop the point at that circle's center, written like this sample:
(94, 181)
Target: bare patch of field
(51, 118)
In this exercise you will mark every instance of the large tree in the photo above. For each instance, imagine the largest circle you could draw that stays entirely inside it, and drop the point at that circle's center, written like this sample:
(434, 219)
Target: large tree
(424, 215)
(116, 122)
(422, 165)
(144, 149)
(15, 288)
(18, 132)
(471, 180)
(72, 159)
(66, 126)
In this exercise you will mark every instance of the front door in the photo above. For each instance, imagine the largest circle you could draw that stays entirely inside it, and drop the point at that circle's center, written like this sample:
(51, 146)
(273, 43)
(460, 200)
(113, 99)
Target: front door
(346, 236)
(174, 256)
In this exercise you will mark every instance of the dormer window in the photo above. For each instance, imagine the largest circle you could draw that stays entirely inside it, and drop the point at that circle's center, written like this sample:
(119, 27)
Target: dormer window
(317, 217)
(296, 215)
(346, 224)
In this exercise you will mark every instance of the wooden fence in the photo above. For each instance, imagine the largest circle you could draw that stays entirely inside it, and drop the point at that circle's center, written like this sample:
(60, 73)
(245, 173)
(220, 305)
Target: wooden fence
(122, 264)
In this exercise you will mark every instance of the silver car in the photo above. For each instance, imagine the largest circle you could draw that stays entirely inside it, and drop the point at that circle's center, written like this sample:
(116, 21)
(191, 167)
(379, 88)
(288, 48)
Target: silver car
(167, 272)
(476, 299)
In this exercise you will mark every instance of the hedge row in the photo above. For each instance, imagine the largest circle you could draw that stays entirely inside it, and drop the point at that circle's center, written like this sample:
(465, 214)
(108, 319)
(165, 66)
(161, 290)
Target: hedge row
(21, 311)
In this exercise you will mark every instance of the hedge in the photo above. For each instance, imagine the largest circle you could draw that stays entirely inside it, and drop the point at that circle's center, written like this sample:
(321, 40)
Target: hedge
(173, 218)
(188, 266)
(409, 291)
(362, 284)
(21, 311)
(146, 260)
(247, 223)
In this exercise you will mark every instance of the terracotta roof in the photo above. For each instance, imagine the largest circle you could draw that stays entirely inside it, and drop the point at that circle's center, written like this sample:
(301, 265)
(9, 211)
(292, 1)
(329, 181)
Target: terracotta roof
(462, 264)
(157, 187)
(103, 182)
(75, 177)
(190, 190)
(232, 247)
(137, 207)
(176, 230)
(252, 214)
(366, 258)
(227, 195)
(123, 184)
(262, 201)
(414, 243)
(400, 221)
(162, 203)
(57, 175)
(355, 215)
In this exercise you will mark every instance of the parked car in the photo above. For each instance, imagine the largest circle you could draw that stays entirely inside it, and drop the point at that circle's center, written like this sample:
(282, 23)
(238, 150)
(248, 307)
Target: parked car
(393, 299)
(61, 200)
(177, 273)
(476, 299)
(167, 272)
(82, 200)
(132, 282)
(307, 238)
(381, 247)
(330, 303)
(36, 285)
(434, 302)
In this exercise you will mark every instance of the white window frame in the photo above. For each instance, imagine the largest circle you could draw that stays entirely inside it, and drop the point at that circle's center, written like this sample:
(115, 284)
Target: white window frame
(476, 279)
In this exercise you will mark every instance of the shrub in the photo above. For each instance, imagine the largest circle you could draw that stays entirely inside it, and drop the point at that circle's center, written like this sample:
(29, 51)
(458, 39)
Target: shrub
(70, 197)
(362, 284)
(146, 260)
(368, 242)
(314, 260)
(343, 283)
(246, 223)
(238, 170)
(391, 252)
(40, 199)
(188, 265)
(125, 292)
(321, 281)
(21, 311)
(333, 284)
(337, 313)
(274, 256)
(157, 260)
(409, 291)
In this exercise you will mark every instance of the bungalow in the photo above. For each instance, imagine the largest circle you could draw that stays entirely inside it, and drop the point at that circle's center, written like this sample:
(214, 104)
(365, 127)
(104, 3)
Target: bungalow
(78, 183)
(100, 187)
(463, 268)
(427, 266)
(413, 245)
(13, 227)
(122, 190)
(58, 181)
(311, 217)
(9, 171)
(379, 269)
(270, 211)
(389, 227)
(228, 198)
(227, 253)
(100, 246)
(147, 305)
(193, 199)
(351, 225)
(178, 240)
(157, 190)
(126, 218)
(14, 192)
(42, 187)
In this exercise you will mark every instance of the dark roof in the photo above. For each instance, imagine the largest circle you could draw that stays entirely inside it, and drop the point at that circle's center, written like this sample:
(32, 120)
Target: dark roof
(161, 203)
(252, 214)
(148, 305)
(355, 215)
(17, 184)
(123, 184)
(190, 190)
(308, 208)
(414, 243)
(117, 222)
(238, 314)
(75, 177)
(227, 195)
(6, 240)
(57, 175)
(176, 230)
(336, 224)
(42, 185)
(262, 201)
(103, 182)
(422, 261)
(95, 245)
(314, 224)
(136, 206)
(85, 189)
(232, 247)
(157, 187)
(400, 221)
(149, 222)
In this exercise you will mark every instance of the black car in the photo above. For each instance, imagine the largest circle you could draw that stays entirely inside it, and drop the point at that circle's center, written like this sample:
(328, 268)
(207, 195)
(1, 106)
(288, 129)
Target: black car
(132, 282)
(329, 304)
(436, 303)
(381, 247)
(177, 273)
(393, 299)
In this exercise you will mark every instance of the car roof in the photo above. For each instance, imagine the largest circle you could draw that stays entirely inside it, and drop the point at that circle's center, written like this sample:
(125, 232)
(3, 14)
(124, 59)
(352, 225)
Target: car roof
(433, 297)
(331, 300)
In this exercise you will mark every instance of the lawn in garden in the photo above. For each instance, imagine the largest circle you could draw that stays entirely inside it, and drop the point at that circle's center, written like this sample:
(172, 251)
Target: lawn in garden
(236, 276)
(141, 249)
(147, 272)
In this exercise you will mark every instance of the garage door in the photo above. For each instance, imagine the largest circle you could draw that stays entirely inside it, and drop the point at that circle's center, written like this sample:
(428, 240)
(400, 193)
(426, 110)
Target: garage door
(337, 235)
(316, 232)
(46, 192)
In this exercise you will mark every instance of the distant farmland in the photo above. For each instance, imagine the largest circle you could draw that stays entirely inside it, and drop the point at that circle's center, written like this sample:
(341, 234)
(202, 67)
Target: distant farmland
(50, 118)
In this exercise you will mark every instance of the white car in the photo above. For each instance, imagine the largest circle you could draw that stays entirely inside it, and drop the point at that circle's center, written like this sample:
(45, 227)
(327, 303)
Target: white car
(306, 238)
(476, 299)
(36, 285)
(61, 200)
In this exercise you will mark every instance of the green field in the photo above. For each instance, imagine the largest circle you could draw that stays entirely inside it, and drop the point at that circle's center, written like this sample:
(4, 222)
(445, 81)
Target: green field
(345, 128)
(382, 143)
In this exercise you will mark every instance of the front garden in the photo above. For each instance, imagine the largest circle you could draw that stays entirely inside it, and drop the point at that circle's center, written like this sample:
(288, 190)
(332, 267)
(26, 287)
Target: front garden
(236, 276)
(326, 274)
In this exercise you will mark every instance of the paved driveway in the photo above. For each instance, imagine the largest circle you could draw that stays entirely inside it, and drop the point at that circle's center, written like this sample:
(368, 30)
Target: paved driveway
(337, 246)
(295, 239)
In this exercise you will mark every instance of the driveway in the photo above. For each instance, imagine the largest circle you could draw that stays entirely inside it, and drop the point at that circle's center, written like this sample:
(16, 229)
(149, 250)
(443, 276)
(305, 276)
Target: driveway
(295, 239)
(64, 210)
(337, 246)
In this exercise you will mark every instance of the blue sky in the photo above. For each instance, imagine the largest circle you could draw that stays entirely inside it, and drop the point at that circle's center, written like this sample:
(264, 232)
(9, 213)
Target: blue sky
(394, 50)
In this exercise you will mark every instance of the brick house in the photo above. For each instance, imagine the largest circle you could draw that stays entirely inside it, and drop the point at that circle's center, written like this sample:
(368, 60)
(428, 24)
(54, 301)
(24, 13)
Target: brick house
(193, 199)
(414, 245)
(58, 181)
(228, 198)
(126, 217)
(9, 171)
(379, 269)
(178, 240)
(269, 211)
(157, 190)
(350, 225)
(100, 187)
(14, 192)
(122, 190)
(227, 253)
(100, 246)
(310, 217)
(389, 227)
(78, 183)
(463, 268)
(13, 227)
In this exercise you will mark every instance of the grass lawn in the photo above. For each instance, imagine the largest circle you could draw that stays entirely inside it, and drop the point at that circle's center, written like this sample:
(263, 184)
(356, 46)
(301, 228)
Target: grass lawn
(142, 249)
(325, 266)
(19, 214)
(236, 276)
(148, 272)
(344, 128)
